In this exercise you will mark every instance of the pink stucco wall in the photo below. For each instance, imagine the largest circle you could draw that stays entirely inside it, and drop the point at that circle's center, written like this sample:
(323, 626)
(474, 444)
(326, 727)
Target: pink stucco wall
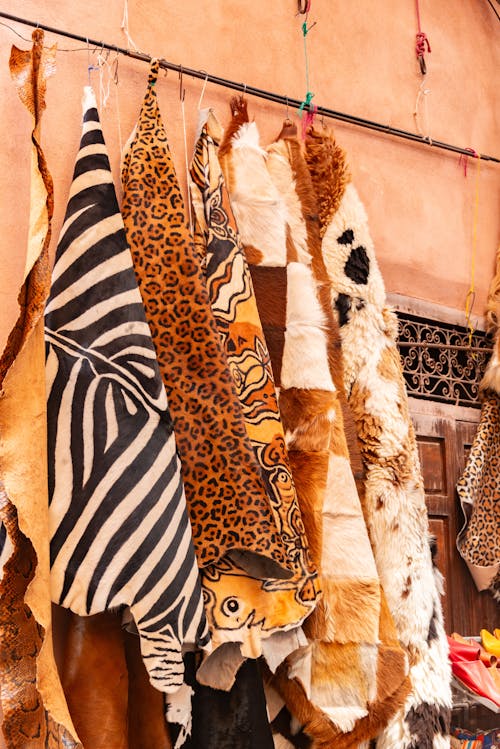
(362, 61)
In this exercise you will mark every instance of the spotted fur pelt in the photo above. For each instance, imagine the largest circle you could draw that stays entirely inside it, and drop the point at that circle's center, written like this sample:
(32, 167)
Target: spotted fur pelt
(331, 688)
(258, 609)
(479, 486)
(394, 498)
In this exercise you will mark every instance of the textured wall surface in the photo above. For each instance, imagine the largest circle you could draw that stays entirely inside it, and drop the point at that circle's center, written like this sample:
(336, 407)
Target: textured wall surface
(419, 204)
(362, 61)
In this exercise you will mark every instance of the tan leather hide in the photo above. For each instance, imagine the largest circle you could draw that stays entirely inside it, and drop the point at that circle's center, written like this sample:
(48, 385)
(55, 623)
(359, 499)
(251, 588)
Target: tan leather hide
(31, 695)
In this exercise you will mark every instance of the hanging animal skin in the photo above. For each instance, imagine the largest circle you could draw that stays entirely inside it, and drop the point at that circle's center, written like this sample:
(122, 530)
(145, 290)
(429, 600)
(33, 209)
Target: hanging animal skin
(228, 503)
(234, 719)
(358, 671)
(479, 486)
(259, 608)
(120, 531)
(32, 701)
(272, 198)
(394, 498)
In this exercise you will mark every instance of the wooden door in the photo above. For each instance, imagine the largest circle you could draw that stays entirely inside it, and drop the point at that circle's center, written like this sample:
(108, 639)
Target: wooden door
(444, 441)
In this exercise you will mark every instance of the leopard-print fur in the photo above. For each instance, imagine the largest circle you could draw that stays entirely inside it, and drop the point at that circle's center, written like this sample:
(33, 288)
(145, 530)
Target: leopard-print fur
(225, 492)
(480, 485)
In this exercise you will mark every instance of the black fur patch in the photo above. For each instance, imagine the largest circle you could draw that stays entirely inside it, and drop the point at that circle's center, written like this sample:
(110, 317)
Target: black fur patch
(343, 305)
(281, 725)
(347, 237)
(426, 721)
(357, 265)
(432, 634)
(434, 548)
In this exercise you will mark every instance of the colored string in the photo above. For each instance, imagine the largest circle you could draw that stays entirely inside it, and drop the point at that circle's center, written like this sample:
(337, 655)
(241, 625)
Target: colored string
(471, 294)
(423, 123)
(306, 102)
(422, 42)
(117, 101)
(463, 159)
(124, 27)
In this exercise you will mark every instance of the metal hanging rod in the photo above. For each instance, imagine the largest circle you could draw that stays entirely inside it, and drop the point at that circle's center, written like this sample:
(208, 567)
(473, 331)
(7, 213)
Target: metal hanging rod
(257, 92)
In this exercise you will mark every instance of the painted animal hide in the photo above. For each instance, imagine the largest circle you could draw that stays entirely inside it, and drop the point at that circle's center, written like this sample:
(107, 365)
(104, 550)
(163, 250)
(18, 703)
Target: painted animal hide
(260, 607)
(358, 669)
(479, 486)
(120, 531)
(32, 701)
(271, 196)
(394, 497)
(227, 499)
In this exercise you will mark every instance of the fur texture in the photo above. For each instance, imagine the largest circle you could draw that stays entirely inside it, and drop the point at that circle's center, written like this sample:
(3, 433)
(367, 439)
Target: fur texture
(479, 487)
(258, 610)
(342, 672)
(221, 476)
(394, 498)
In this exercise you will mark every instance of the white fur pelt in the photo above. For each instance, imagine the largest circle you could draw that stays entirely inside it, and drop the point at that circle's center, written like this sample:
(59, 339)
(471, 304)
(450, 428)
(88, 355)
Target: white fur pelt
(274, 205)
(395, 507)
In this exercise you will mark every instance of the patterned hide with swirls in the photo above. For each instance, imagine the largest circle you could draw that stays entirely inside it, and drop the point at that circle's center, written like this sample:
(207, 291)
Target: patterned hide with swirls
(238, 606)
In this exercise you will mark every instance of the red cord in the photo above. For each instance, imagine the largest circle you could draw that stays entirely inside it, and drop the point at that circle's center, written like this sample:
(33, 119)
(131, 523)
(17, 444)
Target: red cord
(422, 40)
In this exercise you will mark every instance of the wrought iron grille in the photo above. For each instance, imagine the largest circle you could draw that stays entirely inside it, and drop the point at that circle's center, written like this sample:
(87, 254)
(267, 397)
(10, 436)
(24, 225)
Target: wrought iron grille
(440, 361)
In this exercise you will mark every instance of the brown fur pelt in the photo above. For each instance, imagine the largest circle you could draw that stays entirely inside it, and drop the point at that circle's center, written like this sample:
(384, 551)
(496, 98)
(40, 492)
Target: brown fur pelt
(147, 726)
(277, 216)
(112, 702)
(95, 680)
(330, 173)
(394, 502)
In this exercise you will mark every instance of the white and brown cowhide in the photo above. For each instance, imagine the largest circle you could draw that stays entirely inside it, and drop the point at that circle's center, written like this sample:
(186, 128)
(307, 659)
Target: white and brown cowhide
(394, 498)
(331, 688)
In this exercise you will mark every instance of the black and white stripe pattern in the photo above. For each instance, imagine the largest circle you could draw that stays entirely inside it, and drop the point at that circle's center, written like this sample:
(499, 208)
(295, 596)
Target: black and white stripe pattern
(5, 547)
(120, 532)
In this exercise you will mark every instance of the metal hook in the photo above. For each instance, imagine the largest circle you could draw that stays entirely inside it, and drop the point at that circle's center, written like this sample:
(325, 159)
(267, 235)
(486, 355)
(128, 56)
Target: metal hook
(162, 64)
(303, 7)
(182, 91)
(114, 68)
(89, 64)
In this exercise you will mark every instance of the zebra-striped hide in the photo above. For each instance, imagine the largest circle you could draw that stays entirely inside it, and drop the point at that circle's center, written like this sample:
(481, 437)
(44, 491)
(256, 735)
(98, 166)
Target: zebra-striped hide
(120, 532)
